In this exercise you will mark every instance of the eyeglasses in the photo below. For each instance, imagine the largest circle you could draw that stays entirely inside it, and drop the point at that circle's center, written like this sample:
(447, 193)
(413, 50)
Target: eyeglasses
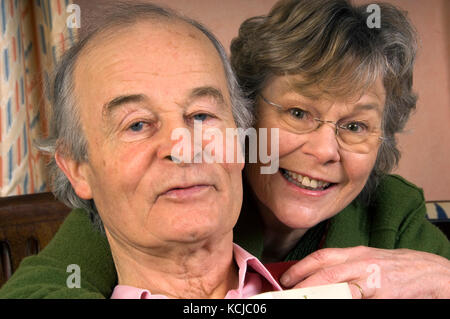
(358, 136)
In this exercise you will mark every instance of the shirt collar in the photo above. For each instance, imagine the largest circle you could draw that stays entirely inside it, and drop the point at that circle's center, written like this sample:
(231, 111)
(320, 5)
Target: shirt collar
(254, 278)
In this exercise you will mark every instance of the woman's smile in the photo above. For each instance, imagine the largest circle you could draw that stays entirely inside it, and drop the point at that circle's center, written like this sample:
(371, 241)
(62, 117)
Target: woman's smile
(306, 185)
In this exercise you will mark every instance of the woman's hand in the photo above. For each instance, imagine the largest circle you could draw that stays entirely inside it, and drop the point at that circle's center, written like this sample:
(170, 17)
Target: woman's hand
(374, 273)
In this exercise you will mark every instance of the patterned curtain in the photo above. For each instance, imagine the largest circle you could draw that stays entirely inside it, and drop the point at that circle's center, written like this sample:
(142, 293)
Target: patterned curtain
(33, 35)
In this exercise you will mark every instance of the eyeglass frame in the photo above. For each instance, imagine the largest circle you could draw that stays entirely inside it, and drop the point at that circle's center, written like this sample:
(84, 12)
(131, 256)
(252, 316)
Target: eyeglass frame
(320, 121)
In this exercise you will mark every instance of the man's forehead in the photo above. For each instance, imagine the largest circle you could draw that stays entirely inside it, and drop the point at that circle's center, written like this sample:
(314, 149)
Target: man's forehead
(155, 49)
(149, 34)
(179, 64)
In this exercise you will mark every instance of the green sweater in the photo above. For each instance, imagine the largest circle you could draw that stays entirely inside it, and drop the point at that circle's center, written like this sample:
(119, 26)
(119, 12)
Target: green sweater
(395, 219)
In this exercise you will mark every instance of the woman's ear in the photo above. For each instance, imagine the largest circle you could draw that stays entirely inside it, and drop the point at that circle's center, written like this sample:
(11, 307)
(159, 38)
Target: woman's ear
(77, 173)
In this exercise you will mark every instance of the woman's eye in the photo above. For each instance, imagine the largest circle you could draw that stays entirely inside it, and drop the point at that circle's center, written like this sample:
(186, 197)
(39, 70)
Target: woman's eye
(297, 113)
(356, 127)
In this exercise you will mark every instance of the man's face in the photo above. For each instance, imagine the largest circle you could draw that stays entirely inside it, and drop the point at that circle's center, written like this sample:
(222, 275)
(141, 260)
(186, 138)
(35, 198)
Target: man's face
(133, 90)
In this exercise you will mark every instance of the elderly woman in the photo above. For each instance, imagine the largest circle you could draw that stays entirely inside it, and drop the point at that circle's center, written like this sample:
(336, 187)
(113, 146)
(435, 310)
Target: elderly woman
(338, 91)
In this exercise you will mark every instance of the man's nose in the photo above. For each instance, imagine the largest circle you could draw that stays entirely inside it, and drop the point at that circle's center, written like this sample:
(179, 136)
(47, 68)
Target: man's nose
(176, 142)
(322, 144)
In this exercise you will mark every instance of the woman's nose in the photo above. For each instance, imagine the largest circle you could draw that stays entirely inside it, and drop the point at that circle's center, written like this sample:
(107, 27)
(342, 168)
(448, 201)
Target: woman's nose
(322, 144)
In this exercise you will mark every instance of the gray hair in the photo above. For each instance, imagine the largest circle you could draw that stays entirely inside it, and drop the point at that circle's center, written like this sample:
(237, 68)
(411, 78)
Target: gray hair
(329, 43)
(65, 132)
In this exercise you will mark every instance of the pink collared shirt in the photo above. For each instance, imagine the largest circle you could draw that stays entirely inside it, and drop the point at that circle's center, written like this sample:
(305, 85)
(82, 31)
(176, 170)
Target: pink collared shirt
(254, 278)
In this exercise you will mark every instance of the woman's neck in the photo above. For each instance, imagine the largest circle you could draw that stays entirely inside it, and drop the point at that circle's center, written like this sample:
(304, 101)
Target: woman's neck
(279, 239)
(200, 270)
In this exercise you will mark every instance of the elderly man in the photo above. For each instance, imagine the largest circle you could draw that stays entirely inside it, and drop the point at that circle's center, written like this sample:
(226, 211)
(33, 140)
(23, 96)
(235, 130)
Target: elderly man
(118, 96)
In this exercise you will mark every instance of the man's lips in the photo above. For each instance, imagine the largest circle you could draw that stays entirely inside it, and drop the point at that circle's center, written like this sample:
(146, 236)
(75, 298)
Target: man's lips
(184, 192)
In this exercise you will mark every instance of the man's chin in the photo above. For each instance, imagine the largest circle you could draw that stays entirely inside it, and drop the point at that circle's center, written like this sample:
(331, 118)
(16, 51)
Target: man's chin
(196, 238)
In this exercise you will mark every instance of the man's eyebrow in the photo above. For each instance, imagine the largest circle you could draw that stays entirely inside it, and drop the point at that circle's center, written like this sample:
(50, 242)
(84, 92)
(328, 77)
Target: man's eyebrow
(108, 107)
(207, 91)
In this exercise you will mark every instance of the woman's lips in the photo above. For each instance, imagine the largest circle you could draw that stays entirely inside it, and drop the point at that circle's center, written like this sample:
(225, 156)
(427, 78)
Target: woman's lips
(298, 187)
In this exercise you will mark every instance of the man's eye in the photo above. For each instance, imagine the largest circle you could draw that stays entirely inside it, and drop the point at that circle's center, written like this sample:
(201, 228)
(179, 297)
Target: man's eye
(137, 127)
(200, 117)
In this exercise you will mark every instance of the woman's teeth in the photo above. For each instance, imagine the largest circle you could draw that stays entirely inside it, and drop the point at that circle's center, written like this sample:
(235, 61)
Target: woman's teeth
(305, 181)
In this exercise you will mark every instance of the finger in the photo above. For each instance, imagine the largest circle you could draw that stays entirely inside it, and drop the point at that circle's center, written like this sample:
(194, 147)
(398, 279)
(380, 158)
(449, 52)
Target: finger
(348, 272)
(312, 263)
(363, 290)
(357, 290)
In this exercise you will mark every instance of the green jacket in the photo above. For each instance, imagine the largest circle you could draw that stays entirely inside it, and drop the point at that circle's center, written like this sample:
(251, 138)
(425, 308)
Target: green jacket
(395, 219)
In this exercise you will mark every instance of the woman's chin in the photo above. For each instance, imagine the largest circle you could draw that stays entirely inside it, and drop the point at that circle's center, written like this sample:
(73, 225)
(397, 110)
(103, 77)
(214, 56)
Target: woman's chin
(298, 217)
(298, 207)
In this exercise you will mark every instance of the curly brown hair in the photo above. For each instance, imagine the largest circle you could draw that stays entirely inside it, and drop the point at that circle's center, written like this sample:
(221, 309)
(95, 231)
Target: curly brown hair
(330, 44)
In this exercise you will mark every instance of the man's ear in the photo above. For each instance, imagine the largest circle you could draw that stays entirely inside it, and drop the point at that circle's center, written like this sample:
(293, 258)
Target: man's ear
(76, 173)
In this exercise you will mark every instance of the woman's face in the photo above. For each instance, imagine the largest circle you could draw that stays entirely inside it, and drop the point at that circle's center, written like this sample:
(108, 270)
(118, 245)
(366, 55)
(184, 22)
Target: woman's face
(335, 173)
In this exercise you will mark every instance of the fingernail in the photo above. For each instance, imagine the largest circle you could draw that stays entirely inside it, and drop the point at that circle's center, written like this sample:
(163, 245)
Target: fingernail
(285, 280)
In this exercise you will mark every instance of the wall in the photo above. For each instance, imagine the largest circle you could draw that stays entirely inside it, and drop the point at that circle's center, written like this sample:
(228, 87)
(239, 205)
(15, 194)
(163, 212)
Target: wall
(425, 145)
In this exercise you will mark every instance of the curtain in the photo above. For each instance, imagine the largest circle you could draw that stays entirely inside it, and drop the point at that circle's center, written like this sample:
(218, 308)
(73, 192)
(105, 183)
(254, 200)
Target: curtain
(34, 34)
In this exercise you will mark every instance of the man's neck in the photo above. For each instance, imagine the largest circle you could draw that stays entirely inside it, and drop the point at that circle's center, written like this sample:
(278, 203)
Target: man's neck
(199, 270)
